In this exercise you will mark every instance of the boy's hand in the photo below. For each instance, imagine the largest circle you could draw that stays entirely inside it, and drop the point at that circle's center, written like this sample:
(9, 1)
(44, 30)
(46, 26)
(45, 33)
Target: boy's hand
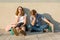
(51, 24)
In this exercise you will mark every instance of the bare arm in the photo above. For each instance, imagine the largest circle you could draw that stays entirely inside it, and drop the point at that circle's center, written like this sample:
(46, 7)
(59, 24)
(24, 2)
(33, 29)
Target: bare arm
(47, 21)
(51, 25)
(17, 20)
(24, 20)
(33, 21)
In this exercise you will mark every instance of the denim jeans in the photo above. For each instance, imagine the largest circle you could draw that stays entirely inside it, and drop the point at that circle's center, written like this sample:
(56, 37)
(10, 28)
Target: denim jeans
(38, 29)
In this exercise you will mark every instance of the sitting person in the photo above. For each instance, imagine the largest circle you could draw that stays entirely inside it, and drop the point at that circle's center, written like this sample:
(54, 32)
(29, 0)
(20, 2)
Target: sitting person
(38, 22)
(20, 24)
(21, 20)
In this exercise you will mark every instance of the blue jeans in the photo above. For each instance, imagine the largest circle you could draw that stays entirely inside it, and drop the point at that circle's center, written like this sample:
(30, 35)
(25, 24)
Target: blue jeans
(38, 29)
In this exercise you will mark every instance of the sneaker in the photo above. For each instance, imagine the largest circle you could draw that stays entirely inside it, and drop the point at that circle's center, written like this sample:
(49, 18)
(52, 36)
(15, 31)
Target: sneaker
(45, 30)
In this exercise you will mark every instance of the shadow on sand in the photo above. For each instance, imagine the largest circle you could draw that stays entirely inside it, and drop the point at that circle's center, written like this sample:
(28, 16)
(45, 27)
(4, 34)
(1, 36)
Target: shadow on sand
(48, 16)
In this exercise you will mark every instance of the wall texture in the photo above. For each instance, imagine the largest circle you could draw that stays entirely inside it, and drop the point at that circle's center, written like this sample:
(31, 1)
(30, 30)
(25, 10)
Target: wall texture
(51, 10)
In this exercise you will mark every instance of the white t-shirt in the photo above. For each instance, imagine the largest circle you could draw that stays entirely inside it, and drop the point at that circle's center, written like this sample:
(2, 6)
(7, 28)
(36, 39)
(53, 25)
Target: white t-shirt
(21, 18)
(31, 19)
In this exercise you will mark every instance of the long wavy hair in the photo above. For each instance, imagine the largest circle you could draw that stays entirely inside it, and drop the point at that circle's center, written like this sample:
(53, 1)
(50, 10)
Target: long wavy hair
(17, 12)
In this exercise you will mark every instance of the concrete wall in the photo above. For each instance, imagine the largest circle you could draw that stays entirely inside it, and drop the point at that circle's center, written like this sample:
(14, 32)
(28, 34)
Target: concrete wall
(51, 10)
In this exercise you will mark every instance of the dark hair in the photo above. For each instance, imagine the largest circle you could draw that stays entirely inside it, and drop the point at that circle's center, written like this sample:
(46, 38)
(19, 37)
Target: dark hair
(17, 12)
(33, 11)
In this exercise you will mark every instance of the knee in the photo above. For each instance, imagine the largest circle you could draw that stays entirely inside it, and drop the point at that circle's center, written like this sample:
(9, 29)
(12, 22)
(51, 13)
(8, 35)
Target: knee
(17, 28)
(23, 28)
